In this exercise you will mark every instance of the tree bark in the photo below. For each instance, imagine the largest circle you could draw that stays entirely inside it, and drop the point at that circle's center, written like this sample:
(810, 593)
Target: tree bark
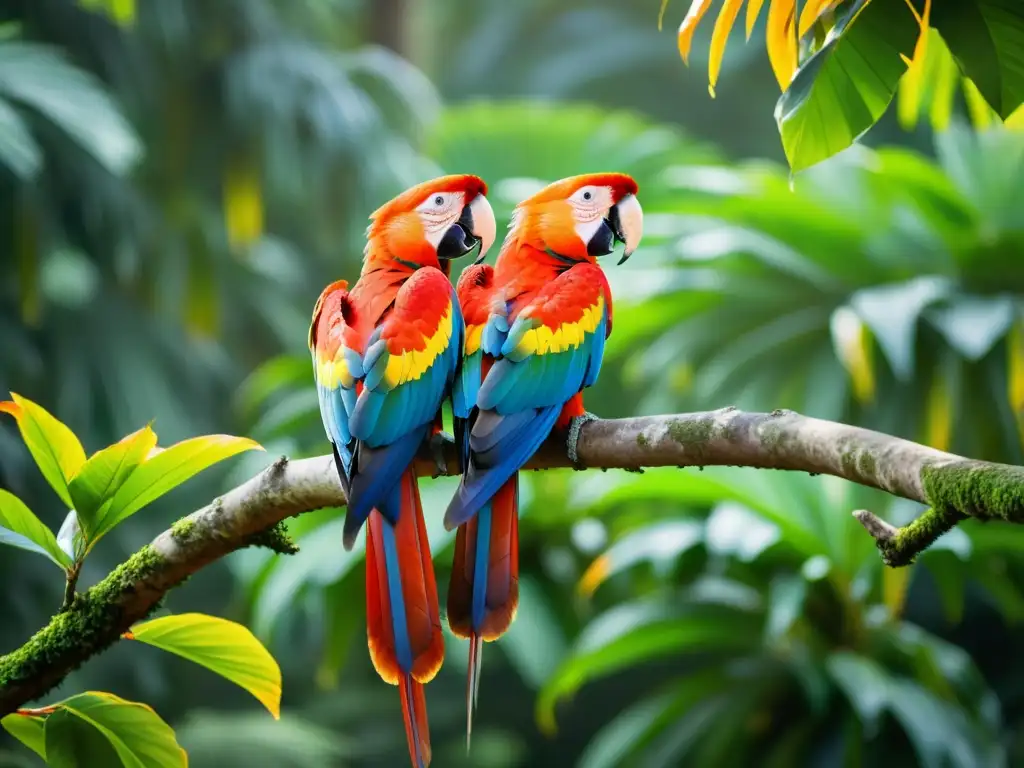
(252, 513)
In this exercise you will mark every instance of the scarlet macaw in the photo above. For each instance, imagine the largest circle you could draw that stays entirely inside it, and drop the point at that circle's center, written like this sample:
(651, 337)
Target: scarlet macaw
(384, 356)
(536, 325)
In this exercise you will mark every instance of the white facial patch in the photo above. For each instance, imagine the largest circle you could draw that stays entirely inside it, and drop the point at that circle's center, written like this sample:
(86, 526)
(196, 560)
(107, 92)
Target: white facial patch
(590, 205)
(438, 212)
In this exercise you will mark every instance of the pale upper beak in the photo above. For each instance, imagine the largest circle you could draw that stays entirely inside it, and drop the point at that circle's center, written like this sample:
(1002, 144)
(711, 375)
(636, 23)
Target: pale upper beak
(483, 226)
(627, 219)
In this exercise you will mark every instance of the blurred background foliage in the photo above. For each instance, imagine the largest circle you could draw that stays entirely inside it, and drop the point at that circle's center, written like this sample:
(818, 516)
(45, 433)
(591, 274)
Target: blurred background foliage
(181, 177)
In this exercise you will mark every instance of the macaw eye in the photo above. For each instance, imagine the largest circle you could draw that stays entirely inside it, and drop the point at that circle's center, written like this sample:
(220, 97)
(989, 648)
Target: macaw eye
(439, 200)
(587, 195)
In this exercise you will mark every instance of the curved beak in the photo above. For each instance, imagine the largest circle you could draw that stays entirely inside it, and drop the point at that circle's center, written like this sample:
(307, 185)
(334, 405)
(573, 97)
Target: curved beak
(481, 224)
(626, 219)
(475, 226)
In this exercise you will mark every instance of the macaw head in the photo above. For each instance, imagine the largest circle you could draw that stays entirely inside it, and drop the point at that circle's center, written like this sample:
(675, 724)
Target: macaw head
(583, 217)
(428, 224)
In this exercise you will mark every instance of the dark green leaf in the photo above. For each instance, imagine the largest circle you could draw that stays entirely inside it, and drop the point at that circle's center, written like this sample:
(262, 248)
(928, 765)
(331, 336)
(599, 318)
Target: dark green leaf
(72, 742)
(986, 37)
(865, 684)
(844, 88)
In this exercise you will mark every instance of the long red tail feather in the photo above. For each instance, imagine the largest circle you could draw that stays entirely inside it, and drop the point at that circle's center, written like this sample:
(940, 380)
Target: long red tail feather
(403, 621)
(483, 596)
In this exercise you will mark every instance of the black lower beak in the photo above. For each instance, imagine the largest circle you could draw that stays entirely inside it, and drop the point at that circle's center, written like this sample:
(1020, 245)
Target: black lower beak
(458, 240)
(616, 226)
(607, 235)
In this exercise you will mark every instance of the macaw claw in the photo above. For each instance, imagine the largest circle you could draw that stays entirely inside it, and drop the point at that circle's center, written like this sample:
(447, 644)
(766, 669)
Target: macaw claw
(573, 438)
(438, 443)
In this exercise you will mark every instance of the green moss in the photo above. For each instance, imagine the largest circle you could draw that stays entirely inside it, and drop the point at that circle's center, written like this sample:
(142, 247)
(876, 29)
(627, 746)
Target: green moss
(277, 538)
(976, 489)
(691, 433)
(89, 625)
(183, 529)
(642, 440)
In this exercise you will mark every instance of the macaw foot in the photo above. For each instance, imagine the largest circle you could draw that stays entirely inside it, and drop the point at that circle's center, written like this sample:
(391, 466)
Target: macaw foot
(438, 444)
(573, 438)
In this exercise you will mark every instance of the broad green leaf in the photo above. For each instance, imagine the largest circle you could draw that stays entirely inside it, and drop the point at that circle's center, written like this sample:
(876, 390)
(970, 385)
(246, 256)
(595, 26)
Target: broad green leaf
(536, 626)
(29, 730)
(973, 324)
(106, 471)
(71, 99)
(18, 150)
(844, 88)
(54, 447)
(73, 742)
(658, 543)
(166, 470)
(892, 312)
(624, 640)
(222, 646)
(20, 528)
(986, 37)
(864, 682)
(137, 733)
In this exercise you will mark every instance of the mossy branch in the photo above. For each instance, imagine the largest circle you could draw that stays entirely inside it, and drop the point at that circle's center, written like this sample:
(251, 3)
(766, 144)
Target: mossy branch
(252, 513)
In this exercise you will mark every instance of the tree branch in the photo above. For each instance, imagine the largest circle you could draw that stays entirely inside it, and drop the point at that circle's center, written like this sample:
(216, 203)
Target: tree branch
(251, 514)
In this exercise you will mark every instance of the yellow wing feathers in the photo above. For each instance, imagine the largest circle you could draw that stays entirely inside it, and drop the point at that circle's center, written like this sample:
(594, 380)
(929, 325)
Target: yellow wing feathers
(411, 364)
(570, 335)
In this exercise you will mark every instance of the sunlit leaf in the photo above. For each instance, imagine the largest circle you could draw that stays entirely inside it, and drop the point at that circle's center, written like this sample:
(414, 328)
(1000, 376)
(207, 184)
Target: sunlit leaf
(780, 39)
(54, 447)
(846, 85)
(138, 735)
(20, 528)
(28, 729)
(222, 646)
(684, 38)
(166, 470)
(105, 471)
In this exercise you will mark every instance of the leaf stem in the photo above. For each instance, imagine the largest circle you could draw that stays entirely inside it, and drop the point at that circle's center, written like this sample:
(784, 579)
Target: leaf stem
(69, 587)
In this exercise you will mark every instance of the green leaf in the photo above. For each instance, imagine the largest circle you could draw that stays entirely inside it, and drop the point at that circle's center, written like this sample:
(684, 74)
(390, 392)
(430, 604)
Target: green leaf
(28, 729)
(865, 684)
(222, 646)
(632, 634)
(54, 447)
(165, 471)
(106, 471)
(72, 99)
(659, 543)
(72, 742)
(844, 88)
(20, 528)
(986, 38)
(137, 733)
(18, 150)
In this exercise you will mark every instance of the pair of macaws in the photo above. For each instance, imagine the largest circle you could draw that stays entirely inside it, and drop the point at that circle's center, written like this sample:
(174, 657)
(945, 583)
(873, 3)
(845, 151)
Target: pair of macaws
(513, 347)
